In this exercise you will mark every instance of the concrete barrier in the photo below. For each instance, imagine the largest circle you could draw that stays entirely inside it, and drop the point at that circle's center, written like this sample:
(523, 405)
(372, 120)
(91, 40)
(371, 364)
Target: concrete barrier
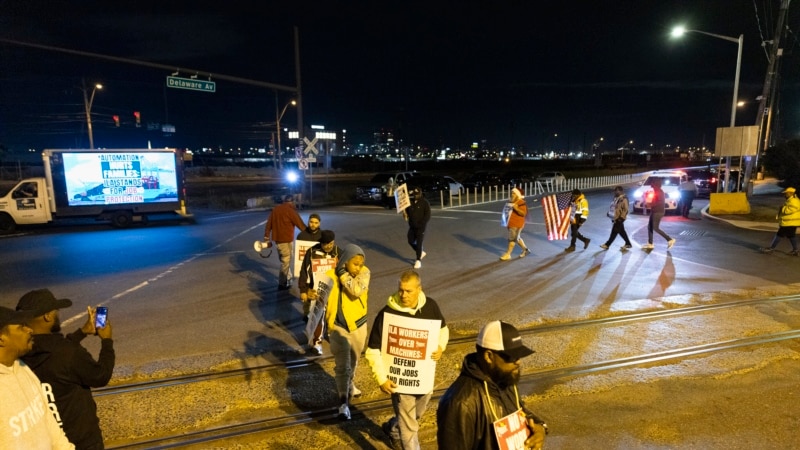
(728, 203)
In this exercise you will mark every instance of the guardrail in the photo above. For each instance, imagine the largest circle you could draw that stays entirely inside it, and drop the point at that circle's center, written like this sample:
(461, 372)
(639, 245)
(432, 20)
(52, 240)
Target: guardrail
(535, 189)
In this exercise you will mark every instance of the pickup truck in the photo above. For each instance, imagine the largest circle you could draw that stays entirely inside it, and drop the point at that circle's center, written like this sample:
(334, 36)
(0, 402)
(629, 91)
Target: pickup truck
(376, 191)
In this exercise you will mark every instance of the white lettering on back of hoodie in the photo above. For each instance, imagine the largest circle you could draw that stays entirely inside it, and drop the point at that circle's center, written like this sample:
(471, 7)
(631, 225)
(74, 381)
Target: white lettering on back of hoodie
(51, 402)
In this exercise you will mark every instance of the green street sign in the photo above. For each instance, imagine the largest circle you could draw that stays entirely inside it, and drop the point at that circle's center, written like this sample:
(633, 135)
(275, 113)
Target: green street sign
(191, 84)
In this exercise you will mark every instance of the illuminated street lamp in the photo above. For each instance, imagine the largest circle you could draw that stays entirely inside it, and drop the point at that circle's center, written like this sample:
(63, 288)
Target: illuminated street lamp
(87, 104)
(278, 117)
(680, 31)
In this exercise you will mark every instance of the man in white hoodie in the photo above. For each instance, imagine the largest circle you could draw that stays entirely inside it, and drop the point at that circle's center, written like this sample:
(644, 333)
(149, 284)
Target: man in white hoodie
(408, 301)
(25, 418)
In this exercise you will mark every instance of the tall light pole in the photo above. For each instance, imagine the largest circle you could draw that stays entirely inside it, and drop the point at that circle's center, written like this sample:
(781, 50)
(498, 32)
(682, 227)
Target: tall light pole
(87, 104)
(680, 31)
(278, 117)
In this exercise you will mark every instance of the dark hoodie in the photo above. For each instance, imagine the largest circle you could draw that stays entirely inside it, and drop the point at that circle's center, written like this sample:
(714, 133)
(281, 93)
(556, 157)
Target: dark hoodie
(463, 419)
(70, 371)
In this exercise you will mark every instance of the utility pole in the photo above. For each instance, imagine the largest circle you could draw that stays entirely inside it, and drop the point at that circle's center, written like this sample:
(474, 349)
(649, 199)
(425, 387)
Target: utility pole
(767, 96)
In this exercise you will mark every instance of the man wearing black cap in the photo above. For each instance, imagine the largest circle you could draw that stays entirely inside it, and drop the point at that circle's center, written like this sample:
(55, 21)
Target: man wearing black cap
(483, 407)
(25, 420)
(318, 259)
(66, 369)
(418, 214)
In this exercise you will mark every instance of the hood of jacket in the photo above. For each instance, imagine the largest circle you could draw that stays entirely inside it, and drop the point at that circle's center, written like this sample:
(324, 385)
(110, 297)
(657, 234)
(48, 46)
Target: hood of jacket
(395, 304)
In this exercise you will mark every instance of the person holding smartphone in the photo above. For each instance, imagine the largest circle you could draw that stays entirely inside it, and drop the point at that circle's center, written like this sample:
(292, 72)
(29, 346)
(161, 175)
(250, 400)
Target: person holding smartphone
(67, 369)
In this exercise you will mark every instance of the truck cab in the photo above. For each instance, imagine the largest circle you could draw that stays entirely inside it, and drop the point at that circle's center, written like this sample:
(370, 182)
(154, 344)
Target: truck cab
(26, 203)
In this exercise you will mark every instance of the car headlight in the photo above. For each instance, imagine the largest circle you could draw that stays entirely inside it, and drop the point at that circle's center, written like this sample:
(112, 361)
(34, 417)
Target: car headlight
(675, 195)
(638, 193)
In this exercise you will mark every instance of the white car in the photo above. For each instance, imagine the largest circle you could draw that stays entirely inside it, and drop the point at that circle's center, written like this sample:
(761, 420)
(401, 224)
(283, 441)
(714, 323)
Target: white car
(455, 187)
(551, 178)
(670, 181)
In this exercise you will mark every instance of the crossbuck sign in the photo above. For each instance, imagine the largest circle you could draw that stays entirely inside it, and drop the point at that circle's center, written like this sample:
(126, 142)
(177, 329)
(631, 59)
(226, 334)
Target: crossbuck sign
(310, 146)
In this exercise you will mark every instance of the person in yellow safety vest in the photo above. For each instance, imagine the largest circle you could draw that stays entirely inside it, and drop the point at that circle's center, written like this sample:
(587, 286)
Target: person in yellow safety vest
(580, 212)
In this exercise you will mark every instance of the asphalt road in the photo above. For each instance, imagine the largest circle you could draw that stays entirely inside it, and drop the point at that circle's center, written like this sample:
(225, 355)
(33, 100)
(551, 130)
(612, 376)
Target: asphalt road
(191, 297)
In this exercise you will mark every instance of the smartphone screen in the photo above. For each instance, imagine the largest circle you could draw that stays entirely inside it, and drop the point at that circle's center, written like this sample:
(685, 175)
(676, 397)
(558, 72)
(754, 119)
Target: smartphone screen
(100, 317)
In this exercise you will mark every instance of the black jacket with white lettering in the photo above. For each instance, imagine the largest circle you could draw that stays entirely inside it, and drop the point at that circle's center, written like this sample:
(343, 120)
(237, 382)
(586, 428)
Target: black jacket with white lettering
(70, 371)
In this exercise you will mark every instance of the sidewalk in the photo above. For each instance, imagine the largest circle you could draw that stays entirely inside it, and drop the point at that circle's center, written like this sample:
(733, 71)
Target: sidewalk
(764, 204)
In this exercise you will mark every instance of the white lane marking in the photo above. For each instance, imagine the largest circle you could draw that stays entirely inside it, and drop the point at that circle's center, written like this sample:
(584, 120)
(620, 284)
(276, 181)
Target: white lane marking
(166, 272)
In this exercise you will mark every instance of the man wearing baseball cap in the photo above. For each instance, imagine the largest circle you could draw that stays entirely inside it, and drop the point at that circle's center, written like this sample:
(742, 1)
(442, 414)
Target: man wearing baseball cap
(482, 407)
(316, 261)
(25, 420)
(65, 368)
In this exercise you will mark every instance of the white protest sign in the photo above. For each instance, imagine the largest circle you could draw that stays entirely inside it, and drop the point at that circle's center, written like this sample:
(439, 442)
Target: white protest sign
(401, 198)
(323, 285)
(406, 347)
(300, 249)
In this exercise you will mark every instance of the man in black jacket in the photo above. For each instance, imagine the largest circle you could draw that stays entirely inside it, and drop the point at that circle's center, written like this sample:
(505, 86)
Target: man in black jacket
(66, 369)
(483, 405)
(417, 214)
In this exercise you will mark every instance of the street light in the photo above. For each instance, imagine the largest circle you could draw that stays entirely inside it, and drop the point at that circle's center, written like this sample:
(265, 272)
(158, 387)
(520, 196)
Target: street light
(87, 104)
(680, 31)
(278, 117)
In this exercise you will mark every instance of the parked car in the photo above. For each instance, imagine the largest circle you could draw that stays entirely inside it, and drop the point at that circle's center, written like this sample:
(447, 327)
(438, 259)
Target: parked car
(455, 187)
(482, 179)
(430, 184)
(377, 189)
(670, 181)
(551, 178)
(517, 177)
(708, 179)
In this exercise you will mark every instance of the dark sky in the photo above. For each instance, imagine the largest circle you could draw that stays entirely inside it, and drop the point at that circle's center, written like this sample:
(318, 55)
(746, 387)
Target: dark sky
(438, 73)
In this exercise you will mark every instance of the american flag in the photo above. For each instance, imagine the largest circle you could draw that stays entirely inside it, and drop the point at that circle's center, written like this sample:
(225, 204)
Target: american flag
(556, 209)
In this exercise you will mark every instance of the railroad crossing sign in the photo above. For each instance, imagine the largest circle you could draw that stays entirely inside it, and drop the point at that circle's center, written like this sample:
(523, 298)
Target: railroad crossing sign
(310, 146)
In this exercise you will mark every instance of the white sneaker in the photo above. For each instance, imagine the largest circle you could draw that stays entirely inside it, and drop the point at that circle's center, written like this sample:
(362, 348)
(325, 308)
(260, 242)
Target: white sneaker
(318, 349)
(422, 256)
(418, 264)
(344, 412)
(670, 243)
(648, 246)
(355, 392)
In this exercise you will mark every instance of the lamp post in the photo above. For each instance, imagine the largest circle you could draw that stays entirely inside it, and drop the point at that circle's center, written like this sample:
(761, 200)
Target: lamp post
(87, 105)
(278, 117)
(680, 31)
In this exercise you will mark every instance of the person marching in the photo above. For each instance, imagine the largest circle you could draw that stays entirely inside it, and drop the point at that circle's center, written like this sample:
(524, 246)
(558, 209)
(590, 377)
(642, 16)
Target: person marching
(580, 207)
(657, 211)
(618, 212)
(516, 221)
(788, 221)
(418, 214)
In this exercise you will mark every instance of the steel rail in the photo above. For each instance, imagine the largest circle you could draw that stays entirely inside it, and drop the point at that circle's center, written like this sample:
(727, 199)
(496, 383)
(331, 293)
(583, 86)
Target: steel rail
(308, 361)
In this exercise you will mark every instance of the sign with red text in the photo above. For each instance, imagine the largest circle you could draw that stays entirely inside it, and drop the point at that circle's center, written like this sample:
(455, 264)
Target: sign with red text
(512, 431)
(300, 249)
(406, 347)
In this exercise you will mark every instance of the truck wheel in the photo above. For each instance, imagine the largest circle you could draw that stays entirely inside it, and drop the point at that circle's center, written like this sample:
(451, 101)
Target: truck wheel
(122, 219)
(7, 224)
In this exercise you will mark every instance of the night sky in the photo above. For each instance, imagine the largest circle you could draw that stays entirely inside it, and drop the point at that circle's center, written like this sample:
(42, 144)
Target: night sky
(440, 74)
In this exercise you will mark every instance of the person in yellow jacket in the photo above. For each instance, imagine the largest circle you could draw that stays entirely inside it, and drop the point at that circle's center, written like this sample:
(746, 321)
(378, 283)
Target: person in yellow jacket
(346, 317)
(580, 211)
(788, 221)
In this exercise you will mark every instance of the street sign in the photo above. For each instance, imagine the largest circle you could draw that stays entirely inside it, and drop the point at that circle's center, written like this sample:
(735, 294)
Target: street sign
(191, 84)
(302, 164)
(310, 146)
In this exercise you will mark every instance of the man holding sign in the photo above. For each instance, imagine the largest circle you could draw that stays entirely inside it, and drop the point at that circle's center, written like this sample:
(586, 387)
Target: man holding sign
(317, 260)
(482, 408)
(407, 338)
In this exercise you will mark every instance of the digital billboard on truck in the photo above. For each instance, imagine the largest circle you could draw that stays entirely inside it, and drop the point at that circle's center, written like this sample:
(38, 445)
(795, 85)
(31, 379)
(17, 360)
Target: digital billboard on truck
(109, 178)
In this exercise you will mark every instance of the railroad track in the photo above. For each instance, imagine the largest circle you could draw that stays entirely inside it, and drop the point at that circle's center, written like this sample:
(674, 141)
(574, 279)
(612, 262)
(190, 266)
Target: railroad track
(529, 379)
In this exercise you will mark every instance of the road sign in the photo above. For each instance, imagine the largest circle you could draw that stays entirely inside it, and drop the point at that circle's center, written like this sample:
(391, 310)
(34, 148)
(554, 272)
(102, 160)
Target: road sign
(191, 84)
(302, 164)
(310, 146)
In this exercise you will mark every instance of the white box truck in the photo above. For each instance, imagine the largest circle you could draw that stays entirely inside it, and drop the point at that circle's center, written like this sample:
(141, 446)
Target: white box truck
(121, 186)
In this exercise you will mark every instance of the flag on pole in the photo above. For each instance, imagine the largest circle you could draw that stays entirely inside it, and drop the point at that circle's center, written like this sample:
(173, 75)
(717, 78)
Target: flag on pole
(556, 209)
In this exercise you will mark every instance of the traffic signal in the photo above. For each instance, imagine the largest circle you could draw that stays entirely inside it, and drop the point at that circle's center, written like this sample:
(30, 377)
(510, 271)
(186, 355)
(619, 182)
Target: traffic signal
(116, 120)
(138, 117)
